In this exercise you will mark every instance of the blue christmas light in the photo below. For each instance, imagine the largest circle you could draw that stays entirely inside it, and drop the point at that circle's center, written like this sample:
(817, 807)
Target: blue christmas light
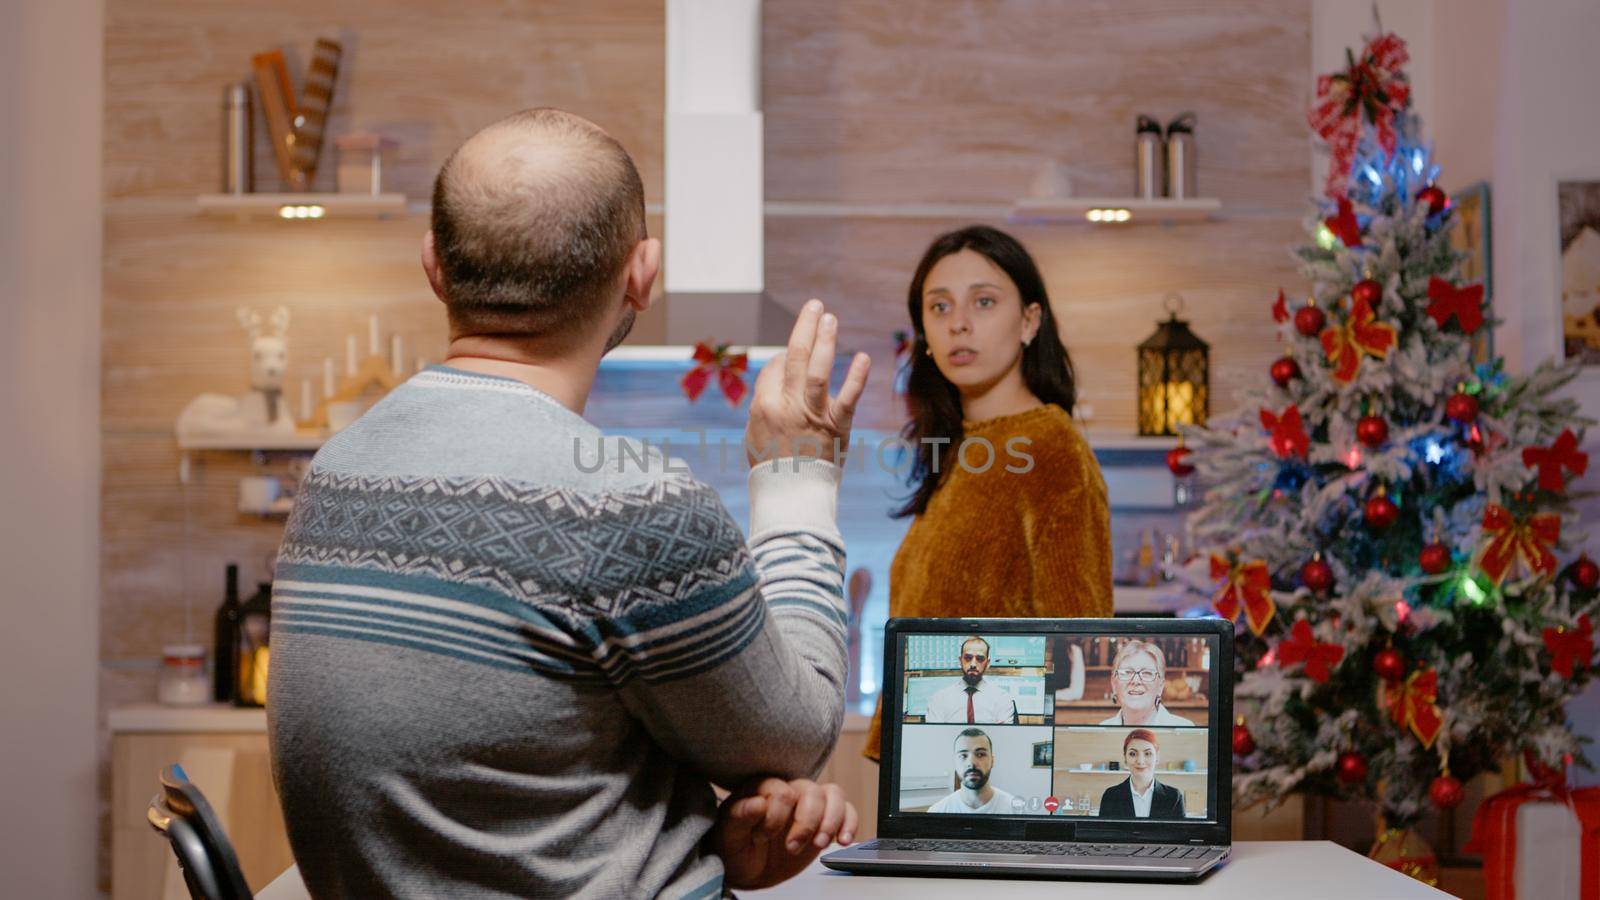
(1434, 451)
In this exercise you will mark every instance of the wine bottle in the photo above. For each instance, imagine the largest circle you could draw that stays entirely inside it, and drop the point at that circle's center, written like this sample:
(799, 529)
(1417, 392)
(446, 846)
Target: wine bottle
(224, 657)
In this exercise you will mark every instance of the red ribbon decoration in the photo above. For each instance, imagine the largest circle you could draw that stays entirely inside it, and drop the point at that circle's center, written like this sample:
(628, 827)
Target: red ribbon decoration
(1246, 586)
(1371, 89)
(1300, 647)
(1563, 454)
(1466, 304)
(1412, 705)
(1289, 436)
(1344, 224)
(902, 344)
(729, 368)
(1280, 309)
(1511, 541)
(1362, 333)
(1494, 831)
(1570, 647)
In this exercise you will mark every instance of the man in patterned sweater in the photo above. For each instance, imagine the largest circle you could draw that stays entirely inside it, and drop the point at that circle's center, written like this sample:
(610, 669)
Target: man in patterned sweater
(498, 672)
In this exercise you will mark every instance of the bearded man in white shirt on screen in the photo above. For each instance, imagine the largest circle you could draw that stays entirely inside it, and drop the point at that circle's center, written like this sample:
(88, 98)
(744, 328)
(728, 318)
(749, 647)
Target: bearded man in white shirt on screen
(972, 699)
(975, 765)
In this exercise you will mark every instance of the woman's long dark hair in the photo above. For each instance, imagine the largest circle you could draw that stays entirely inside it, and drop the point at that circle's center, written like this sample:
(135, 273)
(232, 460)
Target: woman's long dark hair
(934, 402)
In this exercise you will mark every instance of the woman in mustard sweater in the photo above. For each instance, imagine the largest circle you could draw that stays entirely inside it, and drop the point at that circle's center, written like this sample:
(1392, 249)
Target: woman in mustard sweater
(1010, 508)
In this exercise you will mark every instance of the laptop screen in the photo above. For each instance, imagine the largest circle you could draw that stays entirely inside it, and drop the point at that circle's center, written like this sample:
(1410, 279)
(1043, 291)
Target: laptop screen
(1109, 726)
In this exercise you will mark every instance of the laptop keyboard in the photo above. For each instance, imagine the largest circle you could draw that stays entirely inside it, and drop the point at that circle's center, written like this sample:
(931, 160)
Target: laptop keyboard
(1035, 848)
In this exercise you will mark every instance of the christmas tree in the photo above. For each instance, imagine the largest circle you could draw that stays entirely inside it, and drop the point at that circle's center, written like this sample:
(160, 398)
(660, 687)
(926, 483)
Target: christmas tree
(1391, 520)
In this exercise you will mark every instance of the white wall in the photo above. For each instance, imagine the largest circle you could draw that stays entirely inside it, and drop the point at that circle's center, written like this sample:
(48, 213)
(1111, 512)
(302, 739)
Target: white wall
(50, 114)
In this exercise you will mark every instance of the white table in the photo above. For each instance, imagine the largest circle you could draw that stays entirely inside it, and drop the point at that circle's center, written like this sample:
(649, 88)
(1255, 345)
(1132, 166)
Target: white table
(1304, 870)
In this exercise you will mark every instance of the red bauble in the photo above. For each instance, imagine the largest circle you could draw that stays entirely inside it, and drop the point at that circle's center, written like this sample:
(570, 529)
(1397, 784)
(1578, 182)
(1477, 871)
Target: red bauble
(1351, 768)
(1586, 574)
(1435, 558)
(1243, 743)
(1462, 408)
(1284, 371)
(1380, 512)
(1446, 792)
(1317, 575)
(1175, 461)
(1434, 197)
(1389, 665)
(1308, 320)
(1367, 291)
(1372, 431)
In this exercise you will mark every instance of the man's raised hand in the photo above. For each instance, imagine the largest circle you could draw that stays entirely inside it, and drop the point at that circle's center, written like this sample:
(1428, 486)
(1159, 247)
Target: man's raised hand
(791, 413)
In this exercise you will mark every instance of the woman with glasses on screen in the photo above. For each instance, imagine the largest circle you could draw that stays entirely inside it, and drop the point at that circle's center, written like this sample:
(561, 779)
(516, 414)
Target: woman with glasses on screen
(1010, 510)
(1138, 678)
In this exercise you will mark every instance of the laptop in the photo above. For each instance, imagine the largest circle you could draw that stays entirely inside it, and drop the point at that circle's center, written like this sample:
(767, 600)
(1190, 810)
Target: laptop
(1053, 748)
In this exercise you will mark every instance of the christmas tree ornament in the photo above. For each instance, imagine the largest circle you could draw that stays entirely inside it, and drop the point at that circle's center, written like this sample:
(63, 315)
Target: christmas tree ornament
(1570, 647)
(1351, 767)
(1461, 408)
(1302, 647)
(1344, 224)
(1412, 705)
(1446, 792)
(1245, 587)
(1389, 665)
(1280, 309)
(1309, 320)
(1367, 291)
(1465, 304)
(1372, 431)
(1404, 851)
(1243, 743)
(1434, 558)
(1317, 575)
(1284, 371)
(1360, 335)
(1436, 199)
(1380, 512)
(1373, 90)
(1585, 574)
(1518, 545)
(1286, 432)
(1177, 461)
(1551, 460)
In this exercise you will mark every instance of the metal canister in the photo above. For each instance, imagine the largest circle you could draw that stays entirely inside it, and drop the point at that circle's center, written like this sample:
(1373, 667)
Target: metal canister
(1181, 166)
(238, 169)
(1147, 159)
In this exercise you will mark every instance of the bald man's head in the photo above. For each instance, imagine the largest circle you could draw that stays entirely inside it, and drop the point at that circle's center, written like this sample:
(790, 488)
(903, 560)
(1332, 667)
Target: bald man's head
(533, 221)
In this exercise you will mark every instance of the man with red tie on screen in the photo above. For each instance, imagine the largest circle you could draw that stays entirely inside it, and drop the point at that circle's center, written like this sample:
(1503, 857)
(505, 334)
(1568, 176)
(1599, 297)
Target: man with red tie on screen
(972, 699)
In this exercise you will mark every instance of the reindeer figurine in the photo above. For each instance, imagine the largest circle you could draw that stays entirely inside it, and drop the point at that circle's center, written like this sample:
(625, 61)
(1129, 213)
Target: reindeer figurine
(261, 411)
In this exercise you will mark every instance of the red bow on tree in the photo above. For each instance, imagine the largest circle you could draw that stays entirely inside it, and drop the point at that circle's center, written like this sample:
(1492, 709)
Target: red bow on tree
(1412, 705)
(1570, 647)
(1280, 309)
(1300, 647)
(1289, 436)
(1360, 334)
(728, 367)
(1466, 304)
(1511, 542)
(1344, 225)
(1371, 89)
(1247, 587)
(1563, 454)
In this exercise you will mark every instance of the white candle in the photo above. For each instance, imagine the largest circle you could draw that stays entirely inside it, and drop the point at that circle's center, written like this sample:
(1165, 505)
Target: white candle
(305, 399)
(349, 354)
(372, 335)
(327, 376)
(397, 354)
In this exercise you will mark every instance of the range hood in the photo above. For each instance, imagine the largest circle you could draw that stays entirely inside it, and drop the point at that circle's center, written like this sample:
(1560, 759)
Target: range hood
(742, 319)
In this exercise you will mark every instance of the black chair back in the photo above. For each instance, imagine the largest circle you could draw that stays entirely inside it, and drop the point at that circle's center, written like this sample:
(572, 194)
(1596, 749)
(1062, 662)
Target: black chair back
(210, 867)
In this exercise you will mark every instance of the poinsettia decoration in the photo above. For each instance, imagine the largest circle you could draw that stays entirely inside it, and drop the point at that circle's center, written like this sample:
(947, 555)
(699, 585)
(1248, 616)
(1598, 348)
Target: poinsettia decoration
(1570, 647)
(1466, 304)
(1301, 647)
(719, 362)
(1551, 460)
(1287, 432)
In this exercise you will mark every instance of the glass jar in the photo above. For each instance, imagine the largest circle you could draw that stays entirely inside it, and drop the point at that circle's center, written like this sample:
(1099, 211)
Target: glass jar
(183, 679)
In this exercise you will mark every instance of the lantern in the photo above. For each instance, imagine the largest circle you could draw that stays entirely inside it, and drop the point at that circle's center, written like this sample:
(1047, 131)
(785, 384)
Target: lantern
(1174, 376)
(251, 653)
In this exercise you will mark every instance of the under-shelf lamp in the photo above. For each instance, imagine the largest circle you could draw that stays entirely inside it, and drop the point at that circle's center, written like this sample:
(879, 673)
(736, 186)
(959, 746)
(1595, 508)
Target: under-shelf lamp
(1108, 215)
(301, 211)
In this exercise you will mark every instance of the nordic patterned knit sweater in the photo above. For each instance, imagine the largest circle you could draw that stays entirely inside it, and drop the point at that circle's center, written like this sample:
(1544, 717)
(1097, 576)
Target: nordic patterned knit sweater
(1034, 544)
(503, 669)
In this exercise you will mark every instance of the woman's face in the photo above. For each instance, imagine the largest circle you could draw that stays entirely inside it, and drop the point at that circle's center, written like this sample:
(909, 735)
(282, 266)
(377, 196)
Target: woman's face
(1141, 757)
(974, 320)
(1139, 682)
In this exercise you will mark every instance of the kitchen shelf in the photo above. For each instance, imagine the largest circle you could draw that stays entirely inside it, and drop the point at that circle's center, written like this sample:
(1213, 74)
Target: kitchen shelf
(262, 443)
(1076, 210)
(315, 205)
